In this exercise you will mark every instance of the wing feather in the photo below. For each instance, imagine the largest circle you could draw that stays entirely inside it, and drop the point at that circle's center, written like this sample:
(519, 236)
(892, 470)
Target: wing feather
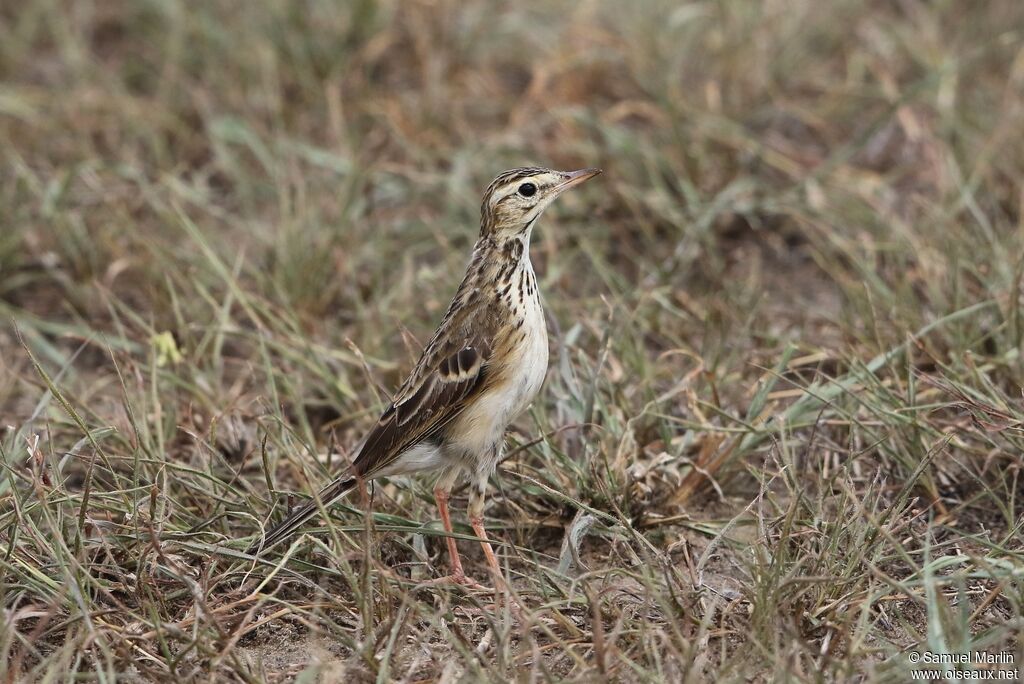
(434, 395)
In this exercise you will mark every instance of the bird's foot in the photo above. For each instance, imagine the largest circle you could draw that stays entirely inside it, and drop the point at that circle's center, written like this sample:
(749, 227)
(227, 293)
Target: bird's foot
(502, 598)
(458, 578)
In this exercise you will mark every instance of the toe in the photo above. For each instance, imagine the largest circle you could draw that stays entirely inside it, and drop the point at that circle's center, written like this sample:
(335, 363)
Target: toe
(459, 579)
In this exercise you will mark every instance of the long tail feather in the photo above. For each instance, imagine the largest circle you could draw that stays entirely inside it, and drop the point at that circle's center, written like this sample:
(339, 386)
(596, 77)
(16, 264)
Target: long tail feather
(327, 497)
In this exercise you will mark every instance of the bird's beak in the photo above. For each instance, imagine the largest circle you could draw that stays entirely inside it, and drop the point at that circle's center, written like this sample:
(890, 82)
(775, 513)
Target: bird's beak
(574, 178)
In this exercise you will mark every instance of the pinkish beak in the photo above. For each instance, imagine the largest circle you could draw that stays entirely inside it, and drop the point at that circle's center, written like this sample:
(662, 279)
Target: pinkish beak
(574, 178)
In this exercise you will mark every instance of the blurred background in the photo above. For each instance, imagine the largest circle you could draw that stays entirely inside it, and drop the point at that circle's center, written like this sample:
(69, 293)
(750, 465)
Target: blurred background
(226, 228)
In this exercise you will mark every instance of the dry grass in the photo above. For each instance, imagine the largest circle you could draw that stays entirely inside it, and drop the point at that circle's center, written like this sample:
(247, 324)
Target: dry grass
(781, 435)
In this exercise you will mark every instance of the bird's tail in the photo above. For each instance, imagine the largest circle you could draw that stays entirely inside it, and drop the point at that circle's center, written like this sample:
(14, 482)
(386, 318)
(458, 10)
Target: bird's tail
(326, 498)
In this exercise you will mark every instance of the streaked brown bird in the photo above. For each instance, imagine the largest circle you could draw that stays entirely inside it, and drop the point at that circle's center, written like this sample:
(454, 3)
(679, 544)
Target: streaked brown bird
(482, 368)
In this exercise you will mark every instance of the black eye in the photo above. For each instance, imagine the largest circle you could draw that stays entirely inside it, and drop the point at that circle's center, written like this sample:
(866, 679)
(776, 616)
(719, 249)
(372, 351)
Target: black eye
(527, 189)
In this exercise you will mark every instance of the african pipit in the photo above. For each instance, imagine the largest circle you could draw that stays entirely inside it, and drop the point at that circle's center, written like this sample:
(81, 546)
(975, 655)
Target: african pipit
(483, 366)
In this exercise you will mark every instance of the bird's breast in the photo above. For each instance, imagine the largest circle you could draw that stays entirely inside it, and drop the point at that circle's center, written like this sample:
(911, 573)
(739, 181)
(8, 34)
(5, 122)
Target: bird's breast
(516, 372)
(526, 359)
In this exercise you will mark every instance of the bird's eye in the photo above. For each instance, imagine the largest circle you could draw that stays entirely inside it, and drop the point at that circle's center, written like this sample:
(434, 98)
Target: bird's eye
(527, 189)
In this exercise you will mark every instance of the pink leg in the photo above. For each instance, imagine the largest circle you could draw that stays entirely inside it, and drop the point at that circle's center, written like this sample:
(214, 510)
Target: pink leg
(458, 575)
(441, 497)
(500, 584)
(476, 520)
(478, 527)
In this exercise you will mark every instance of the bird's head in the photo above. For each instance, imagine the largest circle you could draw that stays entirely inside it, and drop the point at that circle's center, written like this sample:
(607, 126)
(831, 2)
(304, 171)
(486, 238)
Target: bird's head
(515, 199)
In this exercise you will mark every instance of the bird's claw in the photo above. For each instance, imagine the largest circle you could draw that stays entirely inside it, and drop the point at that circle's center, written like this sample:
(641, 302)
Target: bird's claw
(460, 579)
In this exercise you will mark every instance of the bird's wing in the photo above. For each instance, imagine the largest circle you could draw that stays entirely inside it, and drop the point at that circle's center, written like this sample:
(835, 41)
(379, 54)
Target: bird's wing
(436, 391)
(446, 376)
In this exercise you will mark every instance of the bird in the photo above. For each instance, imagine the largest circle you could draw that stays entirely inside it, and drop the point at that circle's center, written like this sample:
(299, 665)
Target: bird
(482, 367)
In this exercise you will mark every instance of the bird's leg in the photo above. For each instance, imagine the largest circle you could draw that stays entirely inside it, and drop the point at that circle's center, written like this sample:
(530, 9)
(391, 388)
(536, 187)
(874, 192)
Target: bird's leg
(458, 575)
(485, 544)
(441, 497)
(476, 520)
(442, 492)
